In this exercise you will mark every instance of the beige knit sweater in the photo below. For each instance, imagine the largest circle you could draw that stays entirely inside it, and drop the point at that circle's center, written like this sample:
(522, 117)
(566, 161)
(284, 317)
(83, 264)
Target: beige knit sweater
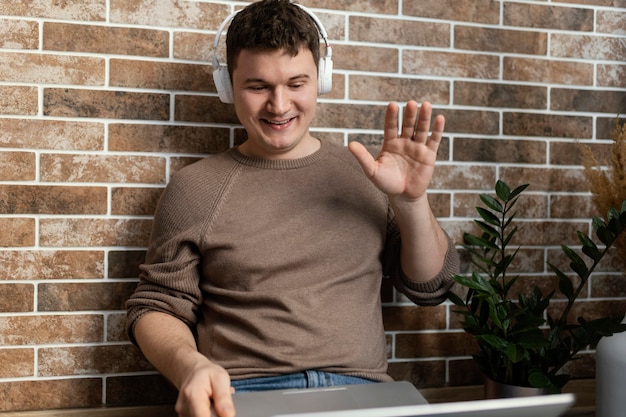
(277, 265)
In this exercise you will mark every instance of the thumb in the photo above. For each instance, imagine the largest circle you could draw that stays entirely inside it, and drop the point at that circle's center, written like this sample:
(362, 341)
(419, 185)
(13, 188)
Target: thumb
(363, 156)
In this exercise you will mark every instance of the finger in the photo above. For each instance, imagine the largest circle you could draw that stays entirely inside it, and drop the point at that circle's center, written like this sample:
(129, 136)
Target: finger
(438, 127)
(391, 121)
(422, 125)
(409, 120)
(362, 155)
(223, 397)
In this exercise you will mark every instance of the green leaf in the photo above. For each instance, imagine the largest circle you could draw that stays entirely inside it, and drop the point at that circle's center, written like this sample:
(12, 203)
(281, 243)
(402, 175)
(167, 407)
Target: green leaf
(566, 286)
(491, 203)
(488, 216)
(479, 241)
(514, 352)
(495, 341)
(538, 379)
(589, 247)
(455, 299)
(603, 232)
(518, 191)
(503, 191)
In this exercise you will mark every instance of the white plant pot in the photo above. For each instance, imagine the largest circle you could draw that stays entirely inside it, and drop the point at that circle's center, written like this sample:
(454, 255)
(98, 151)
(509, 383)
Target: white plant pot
(611, 376)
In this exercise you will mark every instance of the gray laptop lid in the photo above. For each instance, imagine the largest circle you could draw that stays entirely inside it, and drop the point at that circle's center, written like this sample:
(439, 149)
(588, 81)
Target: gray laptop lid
(388, 399)
(329, 399)
(538, 406)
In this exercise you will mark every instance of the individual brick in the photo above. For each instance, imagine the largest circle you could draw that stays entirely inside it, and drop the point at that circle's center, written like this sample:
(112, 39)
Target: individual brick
(116, 327)
(542, 70)
(571, 207)
(15, 363)
(51, 134)
(548, 17)
(18, 100)
(17, 232)
(612, 102)
(105, 104)
(125, 263)
(607, 286)
(48, 264)
(546, 179)
(463, 177)
(500, 95)
(360, 116)
(15, 298)
(161, 75)
(479, 11)
(94, 232)
(167, 138)
(548, 125)
(102, 168)
(399, 89)
(42, 199)
(193, 46)
(450, 64)
(105, 40)
(611, 21)
(500, 40)
(48, 329)
(359, 58)
(51, 394)
(568, 153)
(588, 47)
(18, 166)
(82, 296)
(399, 32)
(134, 200)
(19, 34)
(173, 13)
(406, 318)
(471, 121)
(609, 75)
(203, 109)
(86, 360)
(52, 69)
(123, 390)
(500, 151)
(425, 345)
(94, 10)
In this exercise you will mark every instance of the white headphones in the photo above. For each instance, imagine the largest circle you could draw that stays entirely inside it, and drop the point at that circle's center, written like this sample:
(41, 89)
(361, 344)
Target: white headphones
(222, 80)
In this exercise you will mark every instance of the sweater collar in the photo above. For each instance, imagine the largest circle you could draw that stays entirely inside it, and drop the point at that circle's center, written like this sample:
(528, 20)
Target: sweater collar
(279, 164)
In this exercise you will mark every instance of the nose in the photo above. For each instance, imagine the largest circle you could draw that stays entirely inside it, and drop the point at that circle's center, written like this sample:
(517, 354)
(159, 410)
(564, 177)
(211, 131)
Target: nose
(278, 102)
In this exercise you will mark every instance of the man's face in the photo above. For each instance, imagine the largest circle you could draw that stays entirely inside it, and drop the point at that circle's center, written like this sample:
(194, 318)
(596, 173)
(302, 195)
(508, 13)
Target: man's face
(275, 96)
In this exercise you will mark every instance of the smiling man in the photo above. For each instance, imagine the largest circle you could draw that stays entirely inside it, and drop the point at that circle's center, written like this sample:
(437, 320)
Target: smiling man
(266, 261)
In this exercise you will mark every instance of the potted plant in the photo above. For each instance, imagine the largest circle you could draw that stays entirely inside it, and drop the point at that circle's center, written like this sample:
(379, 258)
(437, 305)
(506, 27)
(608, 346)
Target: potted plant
(520, 343)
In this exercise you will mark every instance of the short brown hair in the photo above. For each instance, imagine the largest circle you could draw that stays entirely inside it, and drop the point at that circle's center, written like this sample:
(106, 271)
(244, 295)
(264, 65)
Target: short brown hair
(271, 25)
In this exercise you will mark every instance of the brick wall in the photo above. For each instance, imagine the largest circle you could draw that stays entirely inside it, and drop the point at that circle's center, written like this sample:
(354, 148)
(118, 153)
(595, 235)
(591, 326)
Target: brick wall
(101, 101)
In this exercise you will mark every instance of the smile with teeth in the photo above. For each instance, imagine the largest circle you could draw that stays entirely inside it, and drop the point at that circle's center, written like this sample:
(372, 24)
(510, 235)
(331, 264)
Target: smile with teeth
(278, 122)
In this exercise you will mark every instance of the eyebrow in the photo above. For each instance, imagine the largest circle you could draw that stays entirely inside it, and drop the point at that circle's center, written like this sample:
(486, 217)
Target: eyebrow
(260, 80)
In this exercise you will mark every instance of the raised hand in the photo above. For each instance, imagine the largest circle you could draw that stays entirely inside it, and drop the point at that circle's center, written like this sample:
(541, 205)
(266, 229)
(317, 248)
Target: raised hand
(405, 164)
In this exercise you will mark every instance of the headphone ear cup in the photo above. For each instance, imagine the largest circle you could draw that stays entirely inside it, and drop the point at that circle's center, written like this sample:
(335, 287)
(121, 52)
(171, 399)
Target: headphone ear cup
(223, 85)
(325, 76)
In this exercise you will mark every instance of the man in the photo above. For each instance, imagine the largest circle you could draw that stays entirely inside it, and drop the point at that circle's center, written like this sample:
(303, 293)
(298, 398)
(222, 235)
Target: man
(265, 264)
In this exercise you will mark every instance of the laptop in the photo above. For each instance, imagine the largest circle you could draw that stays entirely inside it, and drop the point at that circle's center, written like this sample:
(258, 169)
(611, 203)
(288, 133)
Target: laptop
(387, 399)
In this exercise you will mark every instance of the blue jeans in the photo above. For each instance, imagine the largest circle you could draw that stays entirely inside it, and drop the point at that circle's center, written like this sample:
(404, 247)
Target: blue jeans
(305, 379)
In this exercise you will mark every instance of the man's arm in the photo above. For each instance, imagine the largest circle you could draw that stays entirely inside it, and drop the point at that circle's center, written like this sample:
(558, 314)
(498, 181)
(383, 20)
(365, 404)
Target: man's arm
(170, 346)
(403, 171)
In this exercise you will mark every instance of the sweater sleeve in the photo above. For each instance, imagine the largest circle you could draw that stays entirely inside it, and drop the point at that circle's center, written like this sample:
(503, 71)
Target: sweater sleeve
(169, 278)
(428, 293)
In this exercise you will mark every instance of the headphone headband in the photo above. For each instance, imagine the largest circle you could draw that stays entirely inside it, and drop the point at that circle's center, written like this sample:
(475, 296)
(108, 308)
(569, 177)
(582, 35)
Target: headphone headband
(221, 77)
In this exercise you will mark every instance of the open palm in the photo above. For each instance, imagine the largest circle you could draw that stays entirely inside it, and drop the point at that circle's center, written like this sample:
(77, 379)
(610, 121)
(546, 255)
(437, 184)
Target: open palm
(406, 162)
